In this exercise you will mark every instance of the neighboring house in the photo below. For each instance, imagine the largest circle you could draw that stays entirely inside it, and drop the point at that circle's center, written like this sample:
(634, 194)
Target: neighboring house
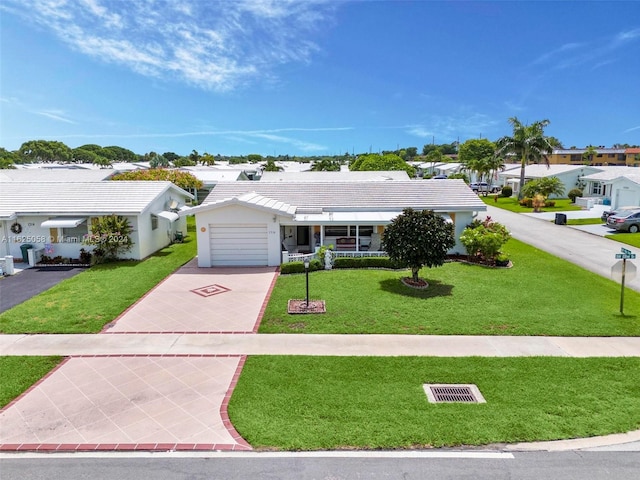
(598, 185)
(341, 176)
(210, 177)
(603, 156)
(252, 223)
(61, 175)
(569, 175)
(55, 217)
(449, 168)
(617, 186)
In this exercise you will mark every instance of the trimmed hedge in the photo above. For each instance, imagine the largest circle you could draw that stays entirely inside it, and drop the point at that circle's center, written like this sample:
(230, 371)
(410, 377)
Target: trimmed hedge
(507, 191)
(365, 262)
(298, 267)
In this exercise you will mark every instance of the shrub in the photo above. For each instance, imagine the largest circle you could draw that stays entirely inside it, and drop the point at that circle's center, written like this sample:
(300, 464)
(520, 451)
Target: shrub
(365, 262)
(484, 240)
(574, 193)
(538, 202)
(526, 202)
(507, 191)
(549, 203)
(298, 267)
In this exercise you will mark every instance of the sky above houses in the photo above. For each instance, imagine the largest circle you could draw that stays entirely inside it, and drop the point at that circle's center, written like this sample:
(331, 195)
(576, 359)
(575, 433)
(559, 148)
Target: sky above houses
(313, 77)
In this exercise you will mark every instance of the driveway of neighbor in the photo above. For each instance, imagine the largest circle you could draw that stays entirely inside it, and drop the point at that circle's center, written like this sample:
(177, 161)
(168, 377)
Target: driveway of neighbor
(592, 252)
(15, 289)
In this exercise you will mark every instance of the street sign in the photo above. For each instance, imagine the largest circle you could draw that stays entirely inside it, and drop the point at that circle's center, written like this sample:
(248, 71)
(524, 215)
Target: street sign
(626, 255)
(629, 272)
(624, 250)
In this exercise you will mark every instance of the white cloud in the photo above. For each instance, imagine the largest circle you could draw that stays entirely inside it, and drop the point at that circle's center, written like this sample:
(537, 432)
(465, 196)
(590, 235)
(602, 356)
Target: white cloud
(632, 129)
(212, 45)
(451, 127)
(571, 55)
(57, 115)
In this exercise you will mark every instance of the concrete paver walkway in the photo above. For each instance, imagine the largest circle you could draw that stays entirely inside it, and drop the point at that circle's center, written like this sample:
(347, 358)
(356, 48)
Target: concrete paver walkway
(144, 398)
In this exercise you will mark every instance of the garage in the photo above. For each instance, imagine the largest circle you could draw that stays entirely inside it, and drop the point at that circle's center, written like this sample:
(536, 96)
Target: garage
(237, 245)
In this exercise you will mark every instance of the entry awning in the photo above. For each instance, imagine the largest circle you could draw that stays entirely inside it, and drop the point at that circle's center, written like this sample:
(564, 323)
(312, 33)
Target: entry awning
(171, 216)
(62, 222)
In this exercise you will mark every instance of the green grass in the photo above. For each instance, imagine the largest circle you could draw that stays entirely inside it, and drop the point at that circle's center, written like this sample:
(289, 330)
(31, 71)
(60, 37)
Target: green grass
(95, 297)
(540, 295)
(584, 221)
(19, 373)
(632, 239)
(311, 403)
(511, 204)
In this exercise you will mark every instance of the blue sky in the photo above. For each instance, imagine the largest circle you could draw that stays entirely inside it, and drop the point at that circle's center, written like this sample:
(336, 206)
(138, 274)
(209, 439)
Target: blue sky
(314, 77)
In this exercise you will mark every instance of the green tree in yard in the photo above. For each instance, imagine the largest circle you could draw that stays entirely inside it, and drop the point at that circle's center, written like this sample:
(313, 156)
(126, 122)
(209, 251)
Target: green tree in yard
(545, 186)
(207, 159)
(528, 143)
(418, 238)
(271, 166)
(8, 159)
(327, 164)
(111, 237)
(376, 162)
(434, 156)
(589, 154)
(478, 156)
(37, 151)
(119, 154)
(184, 180)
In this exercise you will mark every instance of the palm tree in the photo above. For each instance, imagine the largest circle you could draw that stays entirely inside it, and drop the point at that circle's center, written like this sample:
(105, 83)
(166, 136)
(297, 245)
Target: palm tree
(588, 155)
(528, 143)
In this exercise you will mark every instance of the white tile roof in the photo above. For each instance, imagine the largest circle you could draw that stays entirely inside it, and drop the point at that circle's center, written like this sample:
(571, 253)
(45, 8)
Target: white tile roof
(611, 173)
(54, 175)
(441, 195)
(342, 176)
(250, 198)
(75, 198)
(539, 170)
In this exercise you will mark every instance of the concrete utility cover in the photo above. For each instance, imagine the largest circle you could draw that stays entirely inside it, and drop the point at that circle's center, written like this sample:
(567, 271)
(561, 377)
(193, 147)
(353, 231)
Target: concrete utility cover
(629, 274)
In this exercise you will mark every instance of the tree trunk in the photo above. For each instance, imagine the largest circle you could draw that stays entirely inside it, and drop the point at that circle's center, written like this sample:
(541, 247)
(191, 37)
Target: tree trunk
(414, 274)
(522, 167)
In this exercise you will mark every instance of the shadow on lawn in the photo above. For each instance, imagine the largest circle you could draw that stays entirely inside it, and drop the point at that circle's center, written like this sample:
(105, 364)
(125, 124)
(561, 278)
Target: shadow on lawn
(435, 289)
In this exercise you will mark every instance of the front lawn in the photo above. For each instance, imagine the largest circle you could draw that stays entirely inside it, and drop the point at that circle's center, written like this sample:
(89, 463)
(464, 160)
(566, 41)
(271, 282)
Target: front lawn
(19, 373)
(584, 221)
(91, 299)
(313, 403)
(540, 295)
(511, 204)
(632, 239)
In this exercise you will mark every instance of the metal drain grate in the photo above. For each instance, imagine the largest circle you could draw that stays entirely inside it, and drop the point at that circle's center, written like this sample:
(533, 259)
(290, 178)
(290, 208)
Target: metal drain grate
(443, 393)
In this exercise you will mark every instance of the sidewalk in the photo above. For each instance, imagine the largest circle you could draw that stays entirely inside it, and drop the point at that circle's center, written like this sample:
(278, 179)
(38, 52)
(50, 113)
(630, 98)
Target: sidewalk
(320, 345)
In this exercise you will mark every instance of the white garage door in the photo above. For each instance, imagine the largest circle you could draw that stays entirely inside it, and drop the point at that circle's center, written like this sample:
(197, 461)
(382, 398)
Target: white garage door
(625, 197)
(238, 245)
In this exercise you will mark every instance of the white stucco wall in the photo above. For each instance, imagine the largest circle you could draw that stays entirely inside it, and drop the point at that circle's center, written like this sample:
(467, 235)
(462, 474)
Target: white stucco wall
(624, 193)
(460, 222)
(236, 215)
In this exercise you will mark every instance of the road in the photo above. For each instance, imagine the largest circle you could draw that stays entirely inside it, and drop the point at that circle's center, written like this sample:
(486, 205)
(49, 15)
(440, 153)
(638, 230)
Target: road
(330, 466)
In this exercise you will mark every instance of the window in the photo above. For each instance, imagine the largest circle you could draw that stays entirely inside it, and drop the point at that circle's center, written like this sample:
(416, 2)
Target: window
(336, 231)
(596, 188)
(75, 234)
(154, 222)
(365, 231)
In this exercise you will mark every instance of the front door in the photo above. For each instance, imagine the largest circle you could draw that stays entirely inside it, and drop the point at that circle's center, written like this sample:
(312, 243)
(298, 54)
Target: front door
(303, 236)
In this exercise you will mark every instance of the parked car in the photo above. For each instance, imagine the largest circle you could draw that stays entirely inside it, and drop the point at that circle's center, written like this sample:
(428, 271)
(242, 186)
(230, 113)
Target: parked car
(484, 187)
(626, 221)
(616, 211)
(439, 177)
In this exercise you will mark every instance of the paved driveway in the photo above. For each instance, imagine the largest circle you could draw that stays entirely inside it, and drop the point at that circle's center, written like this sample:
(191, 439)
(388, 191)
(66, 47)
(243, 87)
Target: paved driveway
(592, 252)
(142, 401)
(30, 282)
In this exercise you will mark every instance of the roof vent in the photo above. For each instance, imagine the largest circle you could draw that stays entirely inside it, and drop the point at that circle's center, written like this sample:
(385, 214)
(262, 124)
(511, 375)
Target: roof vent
(453, 393)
